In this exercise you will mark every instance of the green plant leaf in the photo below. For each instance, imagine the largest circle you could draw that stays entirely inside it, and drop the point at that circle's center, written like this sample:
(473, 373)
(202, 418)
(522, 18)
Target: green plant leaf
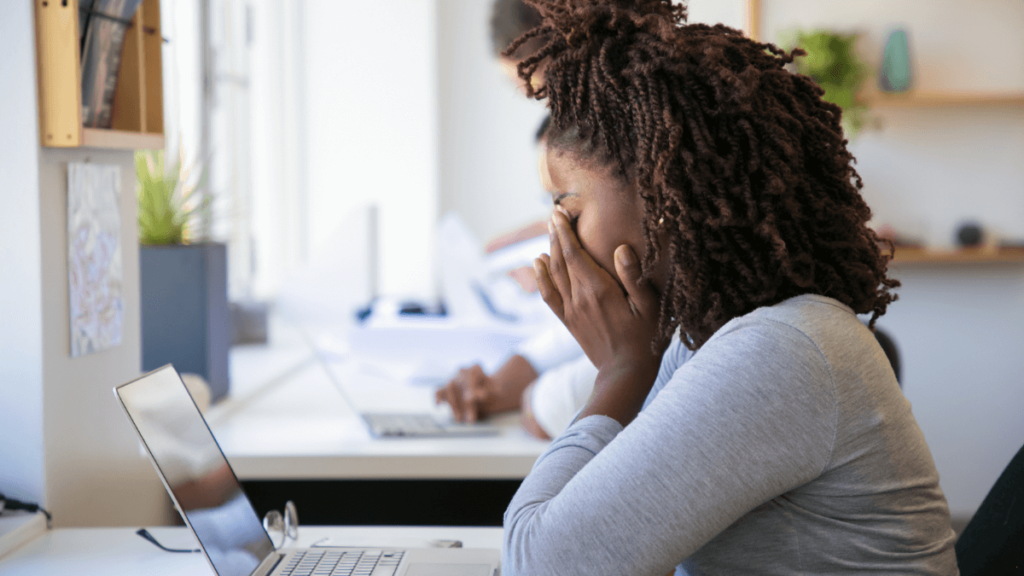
(833, 63)
(163, 199)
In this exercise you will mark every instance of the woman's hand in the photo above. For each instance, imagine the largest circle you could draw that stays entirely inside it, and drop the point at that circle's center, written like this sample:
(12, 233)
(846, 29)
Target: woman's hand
(614, 323)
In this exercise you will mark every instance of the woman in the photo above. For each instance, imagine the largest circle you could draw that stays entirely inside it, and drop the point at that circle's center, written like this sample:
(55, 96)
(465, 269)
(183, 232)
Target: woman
(710, 253)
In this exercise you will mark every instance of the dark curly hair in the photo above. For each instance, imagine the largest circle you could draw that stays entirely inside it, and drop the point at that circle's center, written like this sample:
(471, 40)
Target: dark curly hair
(747, 184)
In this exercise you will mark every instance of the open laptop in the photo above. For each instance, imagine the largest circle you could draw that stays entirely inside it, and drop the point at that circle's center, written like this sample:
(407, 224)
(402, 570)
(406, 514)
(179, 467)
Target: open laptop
(206, 491)
(406, 424)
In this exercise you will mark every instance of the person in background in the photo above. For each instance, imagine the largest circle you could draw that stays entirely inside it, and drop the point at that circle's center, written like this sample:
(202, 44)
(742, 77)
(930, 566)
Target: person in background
(510, 19)
(548, 378)
(710, 253)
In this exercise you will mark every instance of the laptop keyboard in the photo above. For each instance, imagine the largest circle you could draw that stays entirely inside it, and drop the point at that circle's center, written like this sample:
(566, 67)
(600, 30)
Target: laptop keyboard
(347, 562)
(402, 424)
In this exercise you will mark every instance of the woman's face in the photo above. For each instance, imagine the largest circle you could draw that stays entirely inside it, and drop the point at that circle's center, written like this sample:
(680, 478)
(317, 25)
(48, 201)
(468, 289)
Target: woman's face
(605, 211)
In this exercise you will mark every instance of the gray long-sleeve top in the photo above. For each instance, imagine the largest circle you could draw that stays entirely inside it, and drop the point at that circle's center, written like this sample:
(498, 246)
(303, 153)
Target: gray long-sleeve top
(783, 446)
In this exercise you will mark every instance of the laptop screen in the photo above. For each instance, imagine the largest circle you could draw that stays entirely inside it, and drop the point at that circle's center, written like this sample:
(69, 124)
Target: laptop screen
(196, 472)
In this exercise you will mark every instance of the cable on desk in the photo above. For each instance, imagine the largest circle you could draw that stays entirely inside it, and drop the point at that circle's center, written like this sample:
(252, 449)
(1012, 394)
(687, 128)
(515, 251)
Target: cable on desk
(12, 504)
(145, 534)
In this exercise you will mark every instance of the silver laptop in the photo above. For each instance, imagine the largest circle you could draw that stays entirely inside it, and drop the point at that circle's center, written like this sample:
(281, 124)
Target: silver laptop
(406, 424)
(206, 491)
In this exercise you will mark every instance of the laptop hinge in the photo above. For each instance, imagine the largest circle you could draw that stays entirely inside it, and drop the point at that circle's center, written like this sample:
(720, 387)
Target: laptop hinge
(268, 564)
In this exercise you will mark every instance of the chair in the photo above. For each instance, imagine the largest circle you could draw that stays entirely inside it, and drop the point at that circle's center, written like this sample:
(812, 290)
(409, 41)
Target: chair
(992, 543)
(889, 347)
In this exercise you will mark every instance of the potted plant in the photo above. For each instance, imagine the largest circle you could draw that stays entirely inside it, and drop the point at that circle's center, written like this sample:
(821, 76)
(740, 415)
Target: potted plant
(183, 277)
(833, 63)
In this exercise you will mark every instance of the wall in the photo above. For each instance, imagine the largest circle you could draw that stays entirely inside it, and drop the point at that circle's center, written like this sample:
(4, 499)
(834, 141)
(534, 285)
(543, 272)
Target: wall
(926, 169)
(371, 124)
(22, 471)
(921, 163)
(65, 442)
(96, 474)
(488, 162)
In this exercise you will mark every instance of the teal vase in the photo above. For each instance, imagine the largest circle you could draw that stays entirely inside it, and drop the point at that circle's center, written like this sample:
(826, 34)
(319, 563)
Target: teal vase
(895, 74)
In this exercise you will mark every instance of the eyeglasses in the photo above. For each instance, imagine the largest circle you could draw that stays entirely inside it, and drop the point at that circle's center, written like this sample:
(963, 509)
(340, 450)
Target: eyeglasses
(282, 528)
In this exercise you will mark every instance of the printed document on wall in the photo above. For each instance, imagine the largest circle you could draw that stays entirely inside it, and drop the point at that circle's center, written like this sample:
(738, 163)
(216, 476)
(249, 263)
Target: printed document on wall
(95, 272)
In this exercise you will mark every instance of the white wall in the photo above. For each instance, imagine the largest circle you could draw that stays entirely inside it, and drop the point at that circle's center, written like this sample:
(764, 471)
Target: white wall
(488, 162)
(371, 124)
(959, 327)
(63, 441)
(95, 472)
(279, 180)
(22, 472)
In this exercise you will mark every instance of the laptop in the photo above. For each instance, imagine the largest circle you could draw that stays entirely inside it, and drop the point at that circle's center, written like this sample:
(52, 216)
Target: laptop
(406, 424)
(209, 497)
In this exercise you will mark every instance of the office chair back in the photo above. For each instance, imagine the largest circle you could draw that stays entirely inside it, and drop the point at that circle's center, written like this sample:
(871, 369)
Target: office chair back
(992, 543)
(889, 347)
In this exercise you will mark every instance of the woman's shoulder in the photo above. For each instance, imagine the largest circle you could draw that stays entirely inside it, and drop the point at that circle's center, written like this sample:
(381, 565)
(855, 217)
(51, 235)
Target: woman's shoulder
(809, 320)
(804, 334)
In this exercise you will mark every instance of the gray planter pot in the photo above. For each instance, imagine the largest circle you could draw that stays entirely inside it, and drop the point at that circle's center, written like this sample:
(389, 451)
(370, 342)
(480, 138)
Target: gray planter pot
(185, 315)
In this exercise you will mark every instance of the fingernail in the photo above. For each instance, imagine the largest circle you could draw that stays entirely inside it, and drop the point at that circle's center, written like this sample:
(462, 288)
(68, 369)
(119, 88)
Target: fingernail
(625, 255)
(551, 226)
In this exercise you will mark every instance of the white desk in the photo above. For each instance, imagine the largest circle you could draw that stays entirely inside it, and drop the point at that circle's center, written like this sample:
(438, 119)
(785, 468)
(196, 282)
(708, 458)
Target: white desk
(106, 551)
(287, 426)
(304, 430)
(290, 422)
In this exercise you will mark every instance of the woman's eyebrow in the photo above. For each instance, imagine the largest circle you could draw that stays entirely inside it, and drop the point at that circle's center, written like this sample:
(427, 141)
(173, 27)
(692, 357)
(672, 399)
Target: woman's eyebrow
(562, 196)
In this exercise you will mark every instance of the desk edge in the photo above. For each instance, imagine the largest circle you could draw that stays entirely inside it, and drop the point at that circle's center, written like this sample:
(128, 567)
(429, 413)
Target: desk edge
(33, 527)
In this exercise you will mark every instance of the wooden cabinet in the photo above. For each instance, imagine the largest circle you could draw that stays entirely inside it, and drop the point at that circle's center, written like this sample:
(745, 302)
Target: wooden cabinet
(138, 111)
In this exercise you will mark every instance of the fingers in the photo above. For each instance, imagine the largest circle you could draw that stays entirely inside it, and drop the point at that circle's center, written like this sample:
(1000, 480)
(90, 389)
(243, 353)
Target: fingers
(580, 268)
(556, 263)
(474, 393)
(452, 394)
(546, 287)
(641, 296)
(467, 394)
(569, 244)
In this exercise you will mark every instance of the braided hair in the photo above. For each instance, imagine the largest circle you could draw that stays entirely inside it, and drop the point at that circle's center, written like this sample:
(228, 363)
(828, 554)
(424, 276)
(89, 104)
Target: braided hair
(747, 185)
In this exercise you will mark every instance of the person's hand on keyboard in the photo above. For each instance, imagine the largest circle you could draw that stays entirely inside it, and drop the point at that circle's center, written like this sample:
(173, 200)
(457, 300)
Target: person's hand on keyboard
(472, 394)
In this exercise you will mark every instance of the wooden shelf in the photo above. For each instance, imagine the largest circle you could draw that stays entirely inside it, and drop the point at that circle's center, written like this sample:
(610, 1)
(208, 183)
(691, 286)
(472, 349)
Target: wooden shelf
(914, 98)
(925, 99)
(907, 255)
(137, 112)
(121, 139)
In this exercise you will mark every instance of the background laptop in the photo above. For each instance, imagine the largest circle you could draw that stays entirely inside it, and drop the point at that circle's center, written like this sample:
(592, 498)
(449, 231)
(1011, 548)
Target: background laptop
(405, 424)
(206, 491)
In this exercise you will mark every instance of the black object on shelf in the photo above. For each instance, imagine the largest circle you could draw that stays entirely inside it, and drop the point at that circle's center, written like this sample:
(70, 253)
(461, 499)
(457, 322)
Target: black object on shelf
(970, 234)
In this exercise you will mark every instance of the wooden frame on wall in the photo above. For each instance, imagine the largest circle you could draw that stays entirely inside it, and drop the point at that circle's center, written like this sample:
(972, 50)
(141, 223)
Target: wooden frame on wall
(754, 19)
(138, 100)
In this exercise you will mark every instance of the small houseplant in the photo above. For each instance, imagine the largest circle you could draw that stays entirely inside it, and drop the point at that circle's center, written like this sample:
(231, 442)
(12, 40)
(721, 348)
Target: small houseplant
(183, 277)
(833, 63)
(168, 199)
